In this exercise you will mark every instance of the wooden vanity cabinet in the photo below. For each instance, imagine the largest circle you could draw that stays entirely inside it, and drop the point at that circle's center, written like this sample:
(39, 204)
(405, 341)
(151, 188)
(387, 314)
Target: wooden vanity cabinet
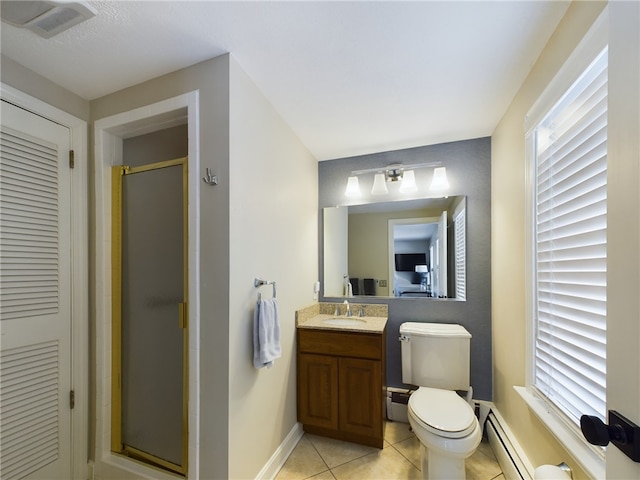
(341, 376)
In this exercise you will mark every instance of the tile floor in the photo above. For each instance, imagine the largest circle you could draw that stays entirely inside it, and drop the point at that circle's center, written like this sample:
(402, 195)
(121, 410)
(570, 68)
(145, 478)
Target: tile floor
(321, 458)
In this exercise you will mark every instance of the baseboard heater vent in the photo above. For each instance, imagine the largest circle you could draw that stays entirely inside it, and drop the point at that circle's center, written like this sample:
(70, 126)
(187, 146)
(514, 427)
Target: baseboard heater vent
(397, 401)
(512, 466)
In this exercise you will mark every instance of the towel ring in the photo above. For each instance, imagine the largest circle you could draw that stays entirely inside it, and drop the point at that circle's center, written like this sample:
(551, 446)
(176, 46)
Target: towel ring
(258, 282)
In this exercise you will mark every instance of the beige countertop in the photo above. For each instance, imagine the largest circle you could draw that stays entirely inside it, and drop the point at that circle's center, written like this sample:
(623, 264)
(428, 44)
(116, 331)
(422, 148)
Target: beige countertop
(365, 324)
(315, 316)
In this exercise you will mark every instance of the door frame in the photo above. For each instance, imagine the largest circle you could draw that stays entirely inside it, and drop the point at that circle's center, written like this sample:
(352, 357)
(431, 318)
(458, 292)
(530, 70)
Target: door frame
(109, 133)
(79, 272)
(392, 223)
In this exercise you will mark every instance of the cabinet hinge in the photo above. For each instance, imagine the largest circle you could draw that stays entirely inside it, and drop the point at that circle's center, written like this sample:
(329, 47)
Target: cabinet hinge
(72, 399)
(72, 159)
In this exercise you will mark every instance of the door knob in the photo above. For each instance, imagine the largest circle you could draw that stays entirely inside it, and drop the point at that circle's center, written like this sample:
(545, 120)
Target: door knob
(622, 432)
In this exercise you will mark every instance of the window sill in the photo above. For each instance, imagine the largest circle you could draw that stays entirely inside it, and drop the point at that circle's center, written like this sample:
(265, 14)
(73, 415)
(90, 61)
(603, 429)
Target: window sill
(587, 457)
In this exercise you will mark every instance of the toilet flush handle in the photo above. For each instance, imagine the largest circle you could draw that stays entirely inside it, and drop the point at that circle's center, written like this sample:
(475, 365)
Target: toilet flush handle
(404, 338)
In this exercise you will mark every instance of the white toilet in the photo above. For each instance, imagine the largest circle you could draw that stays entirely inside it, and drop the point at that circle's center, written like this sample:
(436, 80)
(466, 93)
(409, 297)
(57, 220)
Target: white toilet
(436, 358)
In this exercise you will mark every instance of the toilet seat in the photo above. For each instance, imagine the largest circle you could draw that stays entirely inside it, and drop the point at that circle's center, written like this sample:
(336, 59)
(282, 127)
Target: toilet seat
(442, 412)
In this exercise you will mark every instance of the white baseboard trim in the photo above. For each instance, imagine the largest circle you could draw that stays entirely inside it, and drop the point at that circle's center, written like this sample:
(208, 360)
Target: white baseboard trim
(279, 457)
(512, 459)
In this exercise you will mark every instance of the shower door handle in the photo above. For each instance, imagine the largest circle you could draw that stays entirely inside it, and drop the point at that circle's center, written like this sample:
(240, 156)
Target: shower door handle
(182, 315)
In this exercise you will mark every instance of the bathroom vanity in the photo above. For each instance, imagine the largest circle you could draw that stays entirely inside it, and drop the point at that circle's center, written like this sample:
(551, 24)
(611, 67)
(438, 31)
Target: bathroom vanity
(341, 377)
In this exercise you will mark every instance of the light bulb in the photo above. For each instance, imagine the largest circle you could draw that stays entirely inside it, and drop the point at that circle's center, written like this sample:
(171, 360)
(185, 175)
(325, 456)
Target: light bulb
(353, 187)
(439, 181)
(379, 185)
(408, 182)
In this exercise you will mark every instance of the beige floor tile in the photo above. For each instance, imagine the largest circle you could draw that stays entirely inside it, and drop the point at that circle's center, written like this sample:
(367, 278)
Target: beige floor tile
(327, 476)
(304, 462)
(400, 459)
(485, 448)
(387, 464)
(336, 452)
(395, 432)
(410, 449)
(482, 465)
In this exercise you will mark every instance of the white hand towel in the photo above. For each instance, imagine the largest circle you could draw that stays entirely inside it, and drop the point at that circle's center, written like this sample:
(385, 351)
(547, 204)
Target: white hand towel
(266, 333)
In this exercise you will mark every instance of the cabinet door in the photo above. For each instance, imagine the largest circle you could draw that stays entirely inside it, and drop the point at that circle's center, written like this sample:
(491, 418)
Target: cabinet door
(318, 390)
(361, 396)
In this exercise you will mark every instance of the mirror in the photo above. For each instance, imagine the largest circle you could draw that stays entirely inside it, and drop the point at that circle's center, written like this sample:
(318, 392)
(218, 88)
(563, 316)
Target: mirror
(401, 249)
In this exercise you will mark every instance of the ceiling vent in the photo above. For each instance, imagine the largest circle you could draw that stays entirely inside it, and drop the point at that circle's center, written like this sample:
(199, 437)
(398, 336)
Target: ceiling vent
(45, 18)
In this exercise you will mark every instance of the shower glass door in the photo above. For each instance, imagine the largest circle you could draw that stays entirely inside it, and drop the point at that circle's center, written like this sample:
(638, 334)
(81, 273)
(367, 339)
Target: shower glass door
(149, 416)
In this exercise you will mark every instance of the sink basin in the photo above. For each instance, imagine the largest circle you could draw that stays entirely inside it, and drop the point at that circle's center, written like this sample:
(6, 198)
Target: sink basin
(344, 322)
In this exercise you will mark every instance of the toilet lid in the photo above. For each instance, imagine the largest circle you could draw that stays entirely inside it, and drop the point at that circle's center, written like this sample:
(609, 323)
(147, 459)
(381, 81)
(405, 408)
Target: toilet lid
(443, 412)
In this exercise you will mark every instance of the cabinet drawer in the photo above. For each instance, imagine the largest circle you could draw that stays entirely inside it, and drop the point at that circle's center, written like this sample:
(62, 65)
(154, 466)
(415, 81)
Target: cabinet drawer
(346, 344)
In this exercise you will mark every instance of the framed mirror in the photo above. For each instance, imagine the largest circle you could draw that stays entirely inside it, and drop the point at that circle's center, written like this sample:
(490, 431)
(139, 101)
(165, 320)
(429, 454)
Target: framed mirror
(398, 249)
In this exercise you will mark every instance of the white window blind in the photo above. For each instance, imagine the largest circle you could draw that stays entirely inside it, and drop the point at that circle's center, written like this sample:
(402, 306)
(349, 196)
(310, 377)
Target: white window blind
(570, 222)
(460, 241)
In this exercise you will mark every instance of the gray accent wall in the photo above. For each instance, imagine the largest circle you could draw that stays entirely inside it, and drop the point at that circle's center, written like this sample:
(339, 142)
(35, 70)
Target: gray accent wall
(468, 166)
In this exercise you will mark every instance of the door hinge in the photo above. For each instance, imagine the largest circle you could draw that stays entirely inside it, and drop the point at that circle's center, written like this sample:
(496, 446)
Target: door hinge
(72, 159)
(72, 399)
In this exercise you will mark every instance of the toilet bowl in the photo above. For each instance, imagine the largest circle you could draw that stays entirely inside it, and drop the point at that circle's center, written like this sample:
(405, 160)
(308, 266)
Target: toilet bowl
(447, 429)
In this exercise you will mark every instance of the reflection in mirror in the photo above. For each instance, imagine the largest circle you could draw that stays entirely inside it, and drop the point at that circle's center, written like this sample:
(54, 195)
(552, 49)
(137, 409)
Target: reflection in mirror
(402, 249)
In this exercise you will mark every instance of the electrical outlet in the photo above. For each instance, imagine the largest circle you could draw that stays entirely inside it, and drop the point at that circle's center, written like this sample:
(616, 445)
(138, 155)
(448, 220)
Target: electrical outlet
(383, 283)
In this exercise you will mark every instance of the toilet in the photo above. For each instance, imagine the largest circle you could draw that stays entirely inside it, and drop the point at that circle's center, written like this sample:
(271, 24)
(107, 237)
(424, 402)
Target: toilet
(436, 358)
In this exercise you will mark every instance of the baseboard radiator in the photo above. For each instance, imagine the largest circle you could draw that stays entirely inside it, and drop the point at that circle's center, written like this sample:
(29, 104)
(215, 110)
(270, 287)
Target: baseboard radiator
(514, 466)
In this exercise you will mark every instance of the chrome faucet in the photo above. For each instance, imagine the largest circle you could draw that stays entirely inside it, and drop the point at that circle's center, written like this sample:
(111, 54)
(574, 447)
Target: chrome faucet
(348, 310)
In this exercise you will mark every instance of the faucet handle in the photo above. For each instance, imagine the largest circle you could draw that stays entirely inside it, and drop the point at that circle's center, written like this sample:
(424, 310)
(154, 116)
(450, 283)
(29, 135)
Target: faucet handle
(361, 311)
(336, 312)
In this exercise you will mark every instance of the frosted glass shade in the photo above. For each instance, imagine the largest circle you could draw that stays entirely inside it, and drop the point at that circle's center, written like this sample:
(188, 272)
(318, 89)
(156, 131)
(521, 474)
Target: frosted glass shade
(379, 185)
(353, 187)
(439, 181)
(408, 182)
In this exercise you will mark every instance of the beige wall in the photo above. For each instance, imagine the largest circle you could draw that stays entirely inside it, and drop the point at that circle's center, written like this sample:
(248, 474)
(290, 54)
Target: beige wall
(29, 82)
(508, 234)
(274, 235)
(368, 251)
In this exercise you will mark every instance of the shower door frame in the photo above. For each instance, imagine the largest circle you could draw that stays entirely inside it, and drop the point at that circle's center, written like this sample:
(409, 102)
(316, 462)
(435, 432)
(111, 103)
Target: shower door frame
(117, 445)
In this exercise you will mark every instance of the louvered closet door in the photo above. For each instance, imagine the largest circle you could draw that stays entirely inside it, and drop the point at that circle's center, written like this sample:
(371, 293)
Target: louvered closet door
(35, 312)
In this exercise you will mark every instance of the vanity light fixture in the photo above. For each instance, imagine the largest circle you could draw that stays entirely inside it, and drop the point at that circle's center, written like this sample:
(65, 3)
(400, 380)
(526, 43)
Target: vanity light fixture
(395, 173)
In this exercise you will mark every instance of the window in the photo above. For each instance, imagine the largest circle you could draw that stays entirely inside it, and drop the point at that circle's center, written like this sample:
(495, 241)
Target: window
(570, 258)
(460, 247)
(566, 148)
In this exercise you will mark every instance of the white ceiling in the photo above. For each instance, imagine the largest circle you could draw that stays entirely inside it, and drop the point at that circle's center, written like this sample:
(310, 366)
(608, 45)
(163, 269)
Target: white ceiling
(350, 78)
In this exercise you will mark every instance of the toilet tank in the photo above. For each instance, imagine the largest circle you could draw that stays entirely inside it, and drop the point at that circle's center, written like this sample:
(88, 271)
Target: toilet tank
(435, 355)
